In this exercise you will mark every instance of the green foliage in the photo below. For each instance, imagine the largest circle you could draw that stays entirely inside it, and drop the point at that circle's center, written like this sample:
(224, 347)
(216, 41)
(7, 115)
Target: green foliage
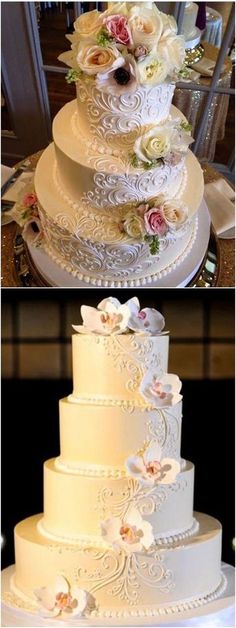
(146, 165)
(103, 39)
(185, 126)
(135, 162)
(72, 76)
(153, 242)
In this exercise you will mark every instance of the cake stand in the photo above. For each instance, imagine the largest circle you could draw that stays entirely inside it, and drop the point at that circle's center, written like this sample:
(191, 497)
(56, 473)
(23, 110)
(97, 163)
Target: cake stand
(48, 273)
(220, 612)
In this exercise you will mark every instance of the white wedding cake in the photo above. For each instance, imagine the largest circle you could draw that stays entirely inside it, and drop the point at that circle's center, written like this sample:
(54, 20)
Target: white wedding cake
(118, 537)
(117, 192)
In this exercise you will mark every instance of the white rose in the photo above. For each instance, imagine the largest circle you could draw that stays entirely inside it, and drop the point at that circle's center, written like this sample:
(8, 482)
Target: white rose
(152, 70)
(169, 25)
(153, 145)
(145, 26)
(96, 59)
(175, 214)
(134, 225)
(117, 8)
(88, 24)
(172, 51)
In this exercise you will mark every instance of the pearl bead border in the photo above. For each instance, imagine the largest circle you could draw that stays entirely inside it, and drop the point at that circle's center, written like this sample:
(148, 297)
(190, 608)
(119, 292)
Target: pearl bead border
(167, 610)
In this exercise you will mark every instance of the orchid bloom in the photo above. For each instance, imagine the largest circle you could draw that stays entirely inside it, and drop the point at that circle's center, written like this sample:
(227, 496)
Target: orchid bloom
(131, 534)
(61, 599)
(150, 468)
(161, 391)
(110, 317)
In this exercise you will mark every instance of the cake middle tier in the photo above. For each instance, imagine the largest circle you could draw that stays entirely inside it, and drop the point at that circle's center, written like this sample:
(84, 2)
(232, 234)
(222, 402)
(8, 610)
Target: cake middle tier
(112, 367)
(75, 504)
(103, 435)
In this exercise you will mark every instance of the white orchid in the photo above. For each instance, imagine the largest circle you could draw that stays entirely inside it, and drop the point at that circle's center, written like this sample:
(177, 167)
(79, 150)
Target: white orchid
(151, 468)
(110, 317)
(62, 599)
(131, 534)
(147, 320)
(161, 391)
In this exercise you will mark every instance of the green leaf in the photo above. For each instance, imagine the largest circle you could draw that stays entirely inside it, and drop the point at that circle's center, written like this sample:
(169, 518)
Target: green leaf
(72, 76)
(137, 163)
(185, 126)
(103, 38)
(153, 242)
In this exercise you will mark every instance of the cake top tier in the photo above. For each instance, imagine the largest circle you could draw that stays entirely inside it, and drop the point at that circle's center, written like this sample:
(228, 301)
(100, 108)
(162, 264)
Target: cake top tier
(127, 46)
(112, 318)
(121, 355)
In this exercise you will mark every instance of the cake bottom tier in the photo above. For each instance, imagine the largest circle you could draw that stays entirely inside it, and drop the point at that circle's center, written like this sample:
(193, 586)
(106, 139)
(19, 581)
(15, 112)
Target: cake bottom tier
(183, 575)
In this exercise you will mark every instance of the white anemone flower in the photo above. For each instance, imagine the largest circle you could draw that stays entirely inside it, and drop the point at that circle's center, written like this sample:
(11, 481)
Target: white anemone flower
(32, 231)
(162, 391)
(151, 468)
(61, 599)
(131, 534)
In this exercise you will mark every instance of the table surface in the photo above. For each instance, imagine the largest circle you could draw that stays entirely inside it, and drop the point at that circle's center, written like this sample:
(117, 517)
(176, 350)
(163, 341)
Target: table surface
(226, 247)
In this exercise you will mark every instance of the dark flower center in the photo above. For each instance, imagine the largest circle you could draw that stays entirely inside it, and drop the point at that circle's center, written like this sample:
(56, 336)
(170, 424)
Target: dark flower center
(35, 227)
(122, 76)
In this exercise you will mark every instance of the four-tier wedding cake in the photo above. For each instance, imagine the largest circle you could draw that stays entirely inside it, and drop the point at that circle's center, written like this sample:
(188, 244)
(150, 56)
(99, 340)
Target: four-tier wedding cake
(118, 537)
(118, 190)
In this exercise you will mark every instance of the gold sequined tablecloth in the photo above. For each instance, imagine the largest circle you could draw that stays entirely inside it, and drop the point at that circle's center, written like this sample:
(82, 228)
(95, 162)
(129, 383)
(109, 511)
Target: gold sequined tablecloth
(226, 247)
(192, 104)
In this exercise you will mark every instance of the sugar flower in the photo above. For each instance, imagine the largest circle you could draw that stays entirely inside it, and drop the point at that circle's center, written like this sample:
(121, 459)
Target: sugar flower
(62, 599)
(110, 317)
(150, 468)
(131, 534)
(161, 391)
(121, 80)
(146, 321)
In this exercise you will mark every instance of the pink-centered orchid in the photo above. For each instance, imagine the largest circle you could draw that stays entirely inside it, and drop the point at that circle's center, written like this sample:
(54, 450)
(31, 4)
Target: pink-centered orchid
(62, 599)
(151, 468)
(131, 534)
(162, 391)
(110, 317)
(147, 320)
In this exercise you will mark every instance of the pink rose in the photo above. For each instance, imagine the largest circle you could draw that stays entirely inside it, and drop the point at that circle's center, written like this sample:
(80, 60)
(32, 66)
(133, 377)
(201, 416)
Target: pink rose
(29, 199)
(141, 209)
(117, 26)
(154, 221)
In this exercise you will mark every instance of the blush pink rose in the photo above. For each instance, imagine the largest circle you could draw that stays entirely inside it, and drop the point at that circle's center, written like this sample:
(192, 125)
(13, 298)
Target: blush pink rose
(29, 199)
(117, 26)
(154, 222)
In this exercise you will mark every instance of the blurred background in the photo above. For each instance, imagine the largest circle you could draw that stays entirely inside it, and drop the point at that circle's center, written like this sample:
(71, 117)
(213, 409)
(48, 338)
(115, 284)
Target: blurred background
(34, 87)
(36, 372)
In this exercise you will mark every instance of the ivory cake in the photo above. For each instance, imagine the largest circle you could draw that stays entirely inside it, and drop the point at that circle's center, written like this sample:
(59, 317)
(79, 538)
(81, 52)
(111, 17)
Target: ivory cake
(118, 536)
(118, 190)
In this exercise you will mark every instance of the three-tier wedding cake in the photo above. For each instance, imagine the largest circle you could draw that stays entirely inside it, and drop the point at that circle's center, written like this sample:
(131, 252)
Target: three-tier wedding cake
(118, 537)
(118, 190)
